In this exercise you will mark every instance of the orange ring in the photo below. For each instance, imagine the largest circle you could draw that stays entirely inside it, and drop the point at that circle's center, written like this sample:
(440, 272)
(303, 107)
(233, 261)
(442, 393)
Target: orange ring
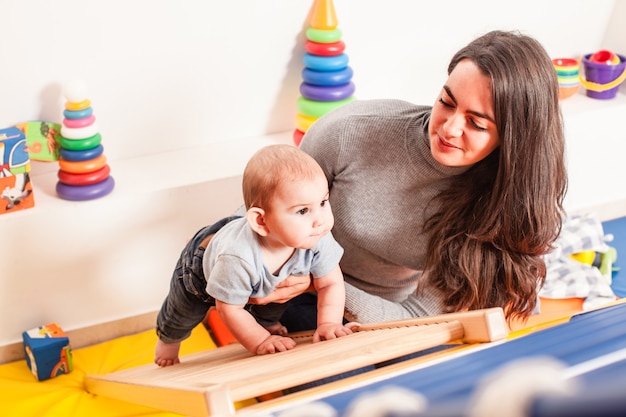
(81, 105)
(82, 167)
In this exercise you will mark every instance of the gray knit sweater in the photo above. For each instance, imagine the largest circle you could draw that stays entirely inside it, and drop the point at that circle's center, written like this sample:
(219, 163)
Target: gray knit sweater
(376, 155)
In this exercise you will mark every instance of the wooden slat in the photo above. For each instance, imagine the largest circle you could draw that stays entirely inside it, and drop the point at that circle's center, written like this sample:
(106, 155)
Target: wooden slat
(185, 400)
(486, 325)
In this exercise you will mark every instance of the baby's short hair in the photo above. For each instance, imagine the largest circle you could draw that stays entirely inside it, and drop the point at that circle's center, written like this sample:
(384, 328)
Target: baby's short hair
(272, 166)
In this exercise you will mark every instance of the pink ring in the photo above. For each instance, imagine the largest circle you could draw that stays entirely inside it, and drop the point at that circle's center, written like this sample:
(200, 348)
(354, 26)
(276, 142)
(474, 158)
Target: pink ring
(78, 123)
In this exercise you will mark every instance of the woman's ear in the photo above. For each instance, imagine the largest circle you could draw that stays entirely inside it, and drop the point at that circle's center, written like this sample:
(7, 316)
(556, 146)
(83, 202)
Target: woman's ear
(256, 219)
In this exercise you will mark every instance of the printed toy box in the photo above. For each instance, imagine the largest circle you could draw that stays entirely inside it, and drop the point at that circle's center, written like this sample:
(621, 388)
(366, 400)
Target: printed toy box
(48, 351)
(42, 140)
(16, 192)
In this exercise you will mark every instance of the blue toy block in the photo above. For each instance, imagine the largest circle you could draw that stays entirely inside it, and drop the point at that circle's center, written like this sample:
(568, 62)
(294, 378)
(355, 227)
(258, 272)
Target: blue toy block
(15, 186)
(48, 352)
(14, 158)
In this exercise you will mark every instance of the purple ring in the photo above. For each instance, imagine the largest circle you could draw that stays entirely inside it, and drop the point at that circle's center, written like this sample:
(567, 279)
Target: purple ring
(85, 192)
(327, 93)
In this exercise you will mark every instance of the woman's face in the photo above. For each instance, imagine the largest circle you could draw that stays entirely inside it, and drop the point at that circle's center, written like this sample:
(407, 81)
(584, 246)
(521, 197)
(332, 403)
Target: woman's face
(462, 125)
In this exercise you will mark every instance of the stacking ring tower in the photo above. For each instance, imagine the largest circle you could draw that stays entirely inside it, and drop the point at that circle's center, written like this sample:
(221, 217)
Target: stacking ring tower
(326, 77)
(83, 170)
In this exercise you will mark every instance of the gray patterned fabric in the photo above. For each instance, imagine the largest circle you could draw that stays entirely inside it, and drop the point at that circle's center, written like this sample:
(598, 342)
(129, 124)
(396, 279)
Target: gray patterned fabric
(567, 277)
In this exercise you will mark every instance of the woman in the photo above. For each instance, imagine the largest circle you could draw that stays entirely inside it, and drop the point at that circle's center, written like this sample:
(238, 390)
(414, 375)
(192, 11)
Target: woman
(449, 207)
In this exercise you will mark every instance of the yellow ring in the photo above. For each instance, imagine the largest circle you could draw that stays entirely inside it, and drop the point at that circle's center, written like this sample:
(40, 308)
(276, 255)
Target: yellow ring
(304, 122)
(74, 106)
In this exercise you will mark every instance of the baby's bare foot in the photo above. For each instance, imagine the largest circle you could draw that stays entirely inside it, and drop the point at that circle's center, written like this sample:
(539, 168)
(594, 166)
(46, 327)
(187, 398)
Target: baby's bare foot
(166, 354)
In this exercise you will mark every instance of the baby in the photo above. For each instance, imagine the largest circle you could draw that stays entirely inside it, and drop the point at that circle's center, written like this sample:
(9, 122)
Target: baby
(285, 231)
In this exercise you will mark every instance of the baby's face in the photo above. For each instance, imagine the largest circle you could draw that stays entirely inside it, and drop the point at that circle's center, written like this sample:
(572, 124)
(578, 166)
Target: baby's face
(300, 213)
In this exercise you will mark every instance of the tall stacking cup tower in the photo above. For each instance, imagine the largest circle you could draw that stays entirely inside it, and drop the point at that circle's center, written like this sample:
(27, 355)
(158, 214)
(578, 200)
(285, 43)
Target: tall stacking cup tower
(83, 169)
(327, 78)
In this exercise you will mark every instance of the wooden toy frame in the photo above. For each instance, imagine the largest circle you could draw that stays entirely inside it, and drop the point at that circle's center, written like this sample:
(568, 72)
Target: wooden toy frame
(210, 383)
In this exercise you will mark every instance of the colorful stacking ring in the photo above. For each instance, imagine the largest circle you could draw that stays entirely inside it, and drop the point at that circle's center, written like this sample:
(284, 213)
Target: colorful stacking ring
(74, 106)
(85, 192)
(78, 123)
(334, 93)
(323, 35)
(566, 66)
(86, 178)
(324, 49)
(569, 81)
(325, 63)
(304, 122)
(314, 108)
(79, 132)
(81, 144)
(78, 114)
(297, 136)
(84, 155)
(327, 78)
(81, 167)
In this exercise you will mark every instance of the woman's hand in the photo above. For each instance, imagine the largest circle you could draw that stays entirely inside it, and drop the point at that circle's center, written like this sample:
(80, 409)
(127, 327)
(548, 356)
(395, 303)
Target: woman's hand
(286, 290)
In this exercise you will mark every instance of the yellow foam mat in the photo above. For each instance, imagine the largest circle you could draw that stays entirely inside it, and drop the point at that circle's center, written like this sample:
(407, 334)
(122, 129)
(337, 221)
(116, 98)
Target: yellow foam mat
(21, 395)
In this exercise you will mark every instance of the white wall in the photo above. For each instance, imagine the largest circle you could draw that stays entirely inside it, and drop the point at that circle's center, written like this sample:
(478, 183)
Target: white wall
(209, 78)
(164, 74)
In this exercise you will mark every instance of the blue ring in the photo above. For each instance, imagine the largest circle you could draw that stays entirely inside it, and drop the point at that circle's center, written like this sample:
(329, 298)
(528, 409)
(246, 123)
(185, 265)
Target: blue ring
(83, 155)
(85, 192)
(78, 114)
(334, 93)
(325, 63)
(327, 78)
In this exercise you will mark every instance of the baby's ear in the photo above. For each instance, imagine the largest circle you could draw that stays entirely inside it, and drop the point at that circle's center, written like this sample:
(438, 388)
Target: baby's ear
(256, 219)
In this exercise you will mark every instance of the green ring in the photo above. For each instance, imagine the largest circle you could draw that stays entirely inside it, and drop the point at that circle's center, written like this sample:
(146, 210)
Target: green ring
(317, 109)
(323, 36)
(81, 144)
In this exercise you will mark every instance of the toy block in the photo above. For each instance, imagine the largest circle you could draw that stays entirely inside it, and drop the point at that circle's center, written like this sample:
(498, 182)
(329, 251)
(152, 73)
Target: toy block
(15, 186)
(48, 351)
(42, 140)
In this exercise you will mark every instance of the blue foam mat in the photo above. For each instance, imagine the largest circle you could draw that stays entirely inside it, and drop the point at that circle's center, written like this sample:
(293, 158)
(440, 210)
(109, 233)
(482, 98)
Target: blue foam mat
(450, 384)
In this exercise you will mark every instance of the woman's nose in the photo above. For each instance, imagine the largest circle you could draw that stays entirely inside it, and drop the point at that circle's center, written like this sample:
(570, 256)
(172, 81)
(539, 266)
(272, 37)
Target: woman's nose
(453, 127)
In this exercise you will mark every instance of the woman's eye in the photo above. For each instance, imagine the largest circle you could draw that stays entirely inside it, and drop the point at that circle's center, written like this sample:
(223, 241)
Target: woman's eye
(476, 126)
(446, 104)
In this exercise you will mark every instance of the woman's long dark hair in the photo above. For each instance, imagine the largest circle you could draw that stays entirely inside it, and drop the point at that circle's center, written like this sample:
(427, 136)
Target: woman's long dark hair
(500, 217)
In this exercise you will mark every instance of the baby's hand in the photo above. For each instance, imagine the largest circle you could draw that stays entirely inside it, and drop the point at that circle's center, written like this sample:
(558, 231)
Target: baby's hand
(274, 344)
(277, 328)
(327, 331)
